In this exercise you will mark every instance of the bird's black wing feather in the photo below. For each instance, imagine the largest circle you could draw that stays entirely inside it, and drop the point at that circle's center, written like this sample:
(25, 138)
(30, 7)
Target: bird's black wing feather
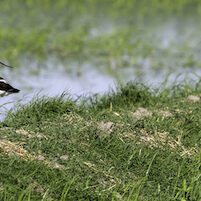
(8, 88)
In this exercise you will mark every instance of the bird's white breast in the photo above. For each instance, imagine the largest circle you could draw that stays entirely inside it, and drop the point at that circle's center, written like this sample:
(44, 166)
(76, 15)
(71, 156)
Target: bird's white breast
(3, 93)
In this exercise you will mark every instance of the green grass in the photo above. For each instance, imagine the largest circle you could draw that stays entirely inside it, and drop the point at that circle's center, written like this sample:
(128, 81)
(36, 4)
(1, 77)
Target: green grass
(103, 148)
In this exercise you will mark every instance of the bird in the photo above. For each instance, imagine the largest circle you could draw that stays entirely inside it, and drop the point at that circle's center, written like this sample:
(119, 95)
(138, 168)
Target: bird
(6, 89)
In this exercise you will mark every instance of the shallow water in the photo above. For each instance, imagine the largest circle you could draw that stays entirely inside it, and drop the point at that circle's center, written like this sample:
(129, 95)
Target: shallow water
(175, 55)
(51, 82)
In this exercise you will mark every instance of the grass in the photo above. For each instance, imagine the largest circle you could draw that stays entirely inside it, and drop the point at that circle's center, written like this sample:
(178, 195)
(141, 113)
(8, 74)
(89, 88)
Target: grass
(132, 144)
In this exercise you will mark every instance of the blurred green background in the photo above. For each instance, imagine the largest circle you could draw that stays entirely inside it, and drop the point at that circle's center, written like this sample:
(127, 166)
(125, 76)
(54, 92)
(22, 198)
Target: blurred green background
(140, 35)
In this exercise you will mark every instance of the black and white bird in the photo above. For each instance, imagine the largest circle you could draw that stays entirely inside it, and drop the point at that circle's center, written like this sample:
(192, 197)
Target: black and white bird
(5, 88)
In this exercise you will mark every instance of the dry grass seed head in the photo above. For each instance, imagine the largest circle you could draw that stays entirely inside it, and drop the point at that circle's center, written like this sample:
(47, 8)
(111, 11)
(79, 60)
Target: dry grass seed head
(13, 148)
(140, 113)
(64, 157)
(1, 187)
(160, 139)
(37, 188)
(194, 98)
(73, 117)
(30, 134)
(22, 132)
(108, 126)
(165, 113)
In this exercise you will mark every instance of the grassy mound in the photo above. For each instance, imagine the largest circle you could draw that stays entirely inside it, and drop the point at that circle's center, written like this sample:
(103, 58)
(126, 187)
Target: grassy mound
(132, 144)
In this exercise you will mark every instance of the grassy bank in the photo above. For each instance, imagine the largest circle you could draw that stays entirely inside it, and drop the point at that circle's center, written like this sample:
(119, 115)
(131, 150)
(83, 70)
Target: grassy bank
(132, 144)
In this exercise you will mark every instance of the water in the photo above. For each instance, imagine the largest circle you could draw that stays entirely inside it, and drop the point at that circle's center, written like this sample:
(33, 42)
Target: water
(176, 54)
(53, 82)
